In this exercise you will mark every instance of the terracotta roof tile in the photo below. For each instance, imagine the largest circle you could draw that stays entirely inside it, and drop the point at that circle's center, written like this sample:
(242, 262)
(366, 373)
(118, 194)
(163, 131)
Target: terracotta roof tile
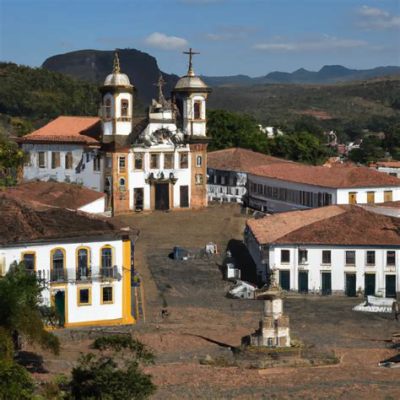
(239, 160)
(85, 130)
(22, 222)
(387, 164)
(334, 225)
(54, 194)
(336, 177)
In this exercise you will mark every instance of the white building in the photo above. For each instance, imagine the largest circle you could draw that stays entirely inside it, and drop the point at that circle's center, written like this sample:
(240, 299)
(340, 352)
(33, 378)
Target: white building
(158, 162)
(277, 188)
(335, 249)
(227, 172)
(84, 263)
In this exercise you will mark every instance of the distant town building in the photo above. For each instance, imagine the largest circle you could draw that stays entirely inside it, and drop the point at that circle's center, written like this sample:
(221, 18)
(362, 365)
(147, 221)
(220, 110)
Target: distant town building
(277, 187)
(60, 195)
(335, 249)
(84, 263)
(391, 168)
(158, 162)
(270, 131)
(227, 172)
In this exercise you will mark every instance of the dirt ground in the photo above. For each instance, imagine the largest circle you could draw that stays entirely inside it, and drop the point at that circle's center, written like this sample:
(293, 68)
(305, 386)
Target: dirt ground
(200, 317)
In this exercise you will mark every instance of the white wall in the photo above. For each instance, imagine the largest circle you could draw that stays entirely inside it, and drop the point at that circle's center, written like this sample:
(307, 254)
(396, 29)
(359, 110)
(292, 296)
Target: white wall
(389, 170)
(337, 267)
(343, 194)
(82, 171)
(93, 312)
(95, 207)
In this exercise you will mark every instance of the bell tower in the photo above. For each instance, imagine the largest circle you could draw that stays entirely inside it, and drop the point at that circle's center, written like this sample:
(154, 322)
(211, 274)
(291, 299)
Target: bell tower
(190, 94)
(117, 103)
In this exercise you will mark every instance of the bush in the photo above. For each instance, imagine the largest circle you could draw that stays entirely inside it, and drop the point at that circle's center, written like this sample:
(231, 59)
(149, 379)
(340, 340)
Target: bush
(15, 382)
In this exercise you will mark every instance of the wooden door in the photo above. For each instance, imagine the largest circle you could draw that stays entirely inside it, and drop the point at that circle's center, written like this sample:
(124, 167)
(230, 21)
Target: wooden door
(369, 285)
(326, 283)
(162, 196)
(351, 285)
(370, 197)
(284, 279)
(353, 198)
(303, 281)
(184, 196)
(390, 287)
(388, 195)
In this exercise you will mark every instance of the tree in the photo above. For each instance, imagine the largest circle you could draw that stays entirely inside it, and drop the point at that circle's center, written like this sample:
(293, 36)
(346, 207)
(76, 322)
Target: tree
(370, 150)
(229, 129)
(101, 377)
(20, 308)
(11, 159)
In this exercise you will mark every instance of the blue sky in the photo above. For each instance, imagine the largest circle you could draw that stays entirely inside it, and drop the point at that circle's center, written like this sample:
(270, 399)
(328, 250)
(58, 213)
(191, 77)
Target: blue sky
(250, 37)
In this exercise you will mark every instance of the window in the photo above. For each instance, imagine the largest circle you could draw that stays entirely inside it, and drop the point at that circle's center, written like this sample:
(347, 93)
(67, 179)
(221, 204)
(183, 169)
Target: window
(108, 162)
(183, 160)
(87, 157)
(154, 161)
(84, 296)
(107, 295)
(122, 184)
(326, 257)
(391, 258)
(303, 256)
(57, 265)
(197, 110)
(29, 261)
(106, 262)
(83, 264)
(124, 108)
(370, 197)
(199, 161)
(68, 160)
(350, 257)
(42, 159)
(387, 195)
(107, 109)
(121, 164)
(352, 197)
(393, 174)
(169, 161)
(138, 198)
(285, 256)
(370, 257)
(55, 159)
(199, 179)
(138, 161)
(96, 163)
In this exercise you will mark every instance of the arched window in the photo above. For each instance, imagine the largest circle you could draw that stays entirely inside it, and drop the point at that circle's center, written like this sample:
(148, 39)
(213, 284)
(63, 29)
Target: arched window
(57, 265)
(107, 108)
(122, 183)
(197, 110)
(124, 108)
(106, 262)
(199, 161)
(83, 263)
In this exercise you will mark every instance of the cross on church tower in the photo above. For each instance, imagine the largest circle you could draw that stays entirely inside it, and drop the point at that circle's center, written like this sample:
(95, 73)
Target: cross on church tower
(116, 67)
(191, 53)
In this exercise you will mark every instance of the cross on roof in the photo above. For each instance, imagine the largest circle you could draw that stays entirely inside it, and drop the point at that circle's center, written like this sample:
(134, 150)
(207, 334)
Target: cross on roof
(191, 53)
(160, 83)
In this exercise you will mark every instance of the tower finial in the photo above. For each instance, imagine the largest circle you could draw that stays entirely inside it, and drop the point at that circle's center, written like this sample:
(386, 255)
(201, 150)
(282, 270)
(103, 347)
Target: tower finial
(191, 53)
(116, 67)
(160, 84)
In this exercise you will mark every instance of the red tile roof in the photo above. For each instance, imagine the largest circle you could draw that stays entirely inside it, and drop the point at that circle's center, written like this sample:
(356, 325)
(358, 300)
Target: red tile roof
(387, 164)
(81, 130)
(335, 177)
(333, 225)
(239, 160)
(23, 222)
(54, 194)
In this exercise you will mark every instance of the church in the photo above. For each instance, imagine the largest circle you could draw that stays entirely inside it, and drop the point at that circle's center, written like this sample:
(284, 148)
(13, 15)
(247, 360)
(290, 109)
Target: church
(153, 163)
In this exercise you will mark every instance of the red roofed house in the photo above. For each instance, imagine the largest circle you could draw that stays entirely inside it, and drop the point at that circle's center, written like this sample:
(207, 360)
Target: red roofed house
(291, 186)
(158, 162)
(389, 167)
(336, 249)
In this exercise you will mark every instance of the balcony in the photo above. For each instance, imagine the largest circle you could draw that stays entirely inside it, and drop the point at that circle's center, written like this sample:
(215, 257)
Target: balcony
(58, 275)
(107, 273)
(81, 275)
(84, 274)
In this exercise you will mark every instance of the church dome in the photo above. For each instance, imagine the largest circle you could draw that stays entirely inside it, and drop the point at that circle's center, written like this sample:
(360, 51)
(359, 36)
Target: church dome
(117, 79)
(190, 82)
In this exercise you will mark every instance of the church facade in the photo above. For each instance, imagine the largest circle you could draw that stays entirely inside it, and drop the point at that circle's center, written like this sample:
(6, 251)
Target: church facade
(154, 163)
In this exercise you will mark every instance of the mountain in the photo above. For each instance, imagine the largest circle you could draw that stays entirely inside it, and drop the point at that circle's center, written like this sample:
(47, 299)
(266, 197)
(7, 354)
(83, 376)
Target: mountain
(94, 65)
(326, 75)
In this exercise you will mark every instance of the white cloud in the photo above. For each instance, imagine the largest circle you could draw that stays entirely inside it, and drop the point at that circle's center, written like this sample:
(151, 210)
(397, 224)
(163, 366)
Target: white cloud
(231, 33)
(320, 44)
(164, 42)
(376, 18)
